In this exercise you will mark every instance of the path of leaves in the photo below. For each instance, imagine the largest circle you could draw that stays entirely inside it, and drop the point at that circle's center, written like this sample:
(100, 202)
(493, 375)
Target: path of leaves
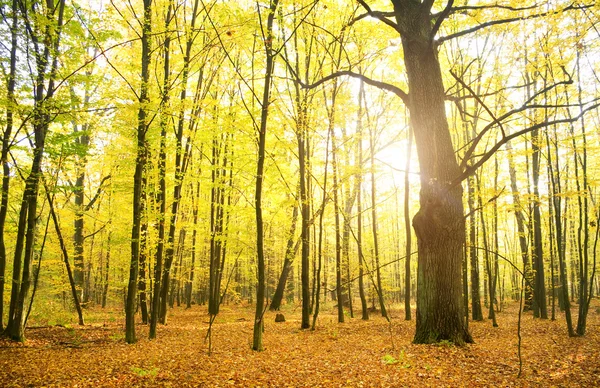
(353, 354)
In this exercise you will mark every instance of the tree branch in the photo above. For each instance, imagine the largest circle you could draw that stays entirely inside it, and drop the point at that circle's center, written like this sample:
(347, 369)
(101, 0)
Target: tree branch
(378, 84)
(440, 19)
(510, 20)
(96, 232)
(381, 16)
(98, 192)
(486, 156)
(499, 120)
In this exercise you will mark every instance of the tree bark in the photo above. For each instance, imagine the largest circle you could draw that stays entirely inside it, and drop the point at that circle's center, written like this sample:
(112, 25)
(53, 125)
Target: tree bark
(140, 163)
(10, 103)
(439, 223)
(260, 169)
(290, 253)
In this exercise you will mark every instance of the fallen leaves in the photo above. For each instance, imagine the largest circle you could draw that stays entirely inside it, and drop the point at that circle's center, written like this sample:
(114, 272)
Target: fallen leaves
(353, 354)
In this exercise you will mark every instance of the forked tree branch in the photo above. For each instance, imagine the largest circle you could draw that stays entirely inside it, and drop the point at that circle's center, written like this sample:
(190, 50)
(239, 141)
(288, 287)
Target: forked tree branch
(378, 84)
(381, 16)
(487, 155)
(498, 120)
(488, 6)
(440, 19)
(510, 20)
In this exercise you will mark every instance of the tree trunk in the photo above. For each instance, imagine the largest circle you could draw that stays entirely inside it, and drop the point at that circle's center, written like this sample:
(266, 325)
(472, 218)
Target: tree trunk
(43, 94)
(290, 253)
(6, 137)
(439, 223)
(301, 136)
(476, 311)
(520, 218)
(374, 226)
(408, 248)
(260, 168)
(140, 163)
(359, 210)
(74, 291)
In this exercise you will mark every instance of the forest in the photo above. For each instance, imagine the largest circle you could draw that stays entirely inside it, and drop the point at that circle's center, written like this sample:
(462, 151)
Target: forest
(299, 193)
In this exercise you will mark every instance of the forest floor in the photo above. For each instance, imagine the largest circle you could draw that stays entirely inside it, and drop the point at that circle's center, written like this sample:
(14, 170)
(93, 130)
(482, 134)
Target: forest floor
(353, 354)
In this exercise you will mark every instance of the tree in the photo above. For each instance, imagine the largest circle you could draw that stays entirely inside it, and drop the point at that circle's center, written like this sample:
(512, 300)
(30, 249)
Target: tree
(44, 32)
(6, 138)
(140, 162)
(268, 38)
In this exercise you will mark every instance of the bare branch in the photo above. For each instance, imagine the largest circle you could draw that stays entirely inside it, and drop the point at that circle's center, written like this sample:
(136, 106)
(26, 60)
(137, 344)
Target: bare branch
(480, 135)
(381, 16)
(510, 20)
(378, 84)
(440, 19)
(486, 156)
(488, 6)
(499, 120)
(98, 192)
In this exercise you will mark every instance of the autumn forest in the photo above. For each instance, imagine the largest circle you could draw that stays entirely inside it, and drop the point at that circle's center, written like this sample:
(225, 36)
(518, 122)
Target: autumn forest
(299, 193)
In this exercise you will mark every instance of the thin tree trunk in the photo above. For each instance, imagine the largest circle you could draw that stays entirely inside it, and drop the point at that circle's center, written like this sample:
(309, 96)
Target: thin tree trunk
(65, 254)
(10, 105)
(262, 132)
(408, 247)
(374, 225)
(140, 164)
(520, 218)
(320, 247)
(476, 311)
(290, 252)
(24, 244)
(359, 209)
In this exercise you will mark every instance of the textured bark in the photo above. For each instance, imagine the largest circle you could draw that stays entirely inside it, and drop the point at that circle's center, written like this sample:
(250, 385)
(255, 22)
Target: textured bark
(260, 168)
(359, 209)
(476, 311)
(290, 253)
(6, 136)
(408, 248)
(439, 223)
(539, 291)
(528, 294)
(43, 94)
(140, 163)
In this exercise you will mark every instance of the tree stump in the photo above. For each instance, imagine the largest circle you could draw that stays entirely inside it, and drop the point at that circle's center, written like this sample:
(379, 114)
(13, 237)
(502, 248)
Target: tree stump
(279, 318)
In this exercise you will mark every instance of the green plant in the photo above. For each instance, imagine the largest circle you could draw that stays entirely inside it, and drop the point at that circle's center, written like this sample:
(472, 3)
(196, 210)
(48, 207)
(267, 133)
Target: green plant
(445, 344)
(151, 372)
(116, 336)
(388, 359)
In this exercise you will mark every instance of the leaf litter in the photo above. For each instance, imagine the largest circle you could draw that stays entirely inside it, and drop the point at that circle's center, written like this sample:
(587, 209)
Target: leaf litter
(352, 354)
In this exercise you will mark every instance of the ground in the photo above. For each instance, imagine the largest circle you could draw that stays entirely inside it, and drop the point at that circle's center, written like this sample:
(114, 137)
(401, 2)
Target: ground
(352, 354)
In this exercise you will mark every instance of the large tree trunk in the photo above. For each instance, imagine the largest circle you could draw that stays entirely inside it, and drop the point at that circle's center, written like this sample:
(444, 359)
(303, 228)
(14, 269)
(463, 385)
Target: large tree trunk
(439, 224)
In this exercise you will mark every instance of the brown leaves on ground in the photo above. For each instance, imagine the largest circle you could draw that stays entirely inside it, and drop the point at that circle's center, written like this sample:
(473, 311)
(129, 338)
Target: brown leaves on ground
(353, 354)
